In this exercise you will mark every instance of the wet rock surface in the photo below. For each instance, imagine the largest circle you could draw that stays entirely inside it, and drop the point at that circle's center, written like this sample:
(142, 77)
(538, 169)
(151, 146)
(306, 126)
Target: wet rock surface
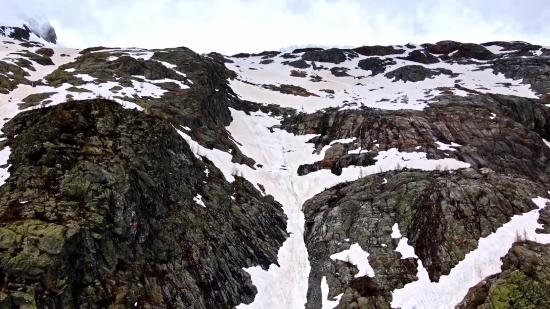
(99, 211)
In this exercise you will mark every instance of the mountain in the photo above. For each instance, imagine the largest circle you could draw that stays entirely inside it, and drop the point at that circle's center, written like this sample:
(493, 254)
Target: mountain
(403, 176)
(30, 28)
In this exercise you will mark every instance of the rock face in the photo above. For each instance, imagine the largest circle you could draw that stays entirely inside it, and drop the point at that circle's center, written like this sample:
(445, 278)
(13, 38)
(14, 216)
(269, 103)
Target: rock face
(100, 211)
(523, 283)
(441, 213)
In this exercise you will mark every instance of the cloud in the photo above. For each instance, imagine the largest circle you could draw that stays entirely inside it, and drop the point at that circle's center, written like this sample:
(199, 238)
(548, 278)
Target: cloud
(231, 26)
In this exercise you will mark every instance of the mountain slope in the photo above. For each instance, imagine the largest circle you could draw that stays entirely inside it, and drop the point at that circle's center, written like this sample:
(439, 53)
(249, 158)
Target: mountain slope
(399, 169)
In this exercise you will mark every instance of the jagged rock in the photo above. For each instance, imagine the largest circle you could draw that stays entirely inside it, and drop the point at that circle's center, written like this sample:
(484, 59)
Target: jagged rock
(443, 214)
(339, 72)
(99, 211)
(442, 47)
(299, 64)
(533, 71)
(333, 55)
(378, 50)
(266, 61)
(375, 64)
(416, 73)
(16, 33)
(523, 283)
(421, 57)
(473, 51)
(220, 57)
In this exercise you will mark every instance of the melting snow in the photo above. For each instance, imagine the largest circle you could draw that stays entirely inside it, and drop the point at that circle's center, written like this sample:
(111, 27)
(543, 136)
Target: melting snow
(356, 256)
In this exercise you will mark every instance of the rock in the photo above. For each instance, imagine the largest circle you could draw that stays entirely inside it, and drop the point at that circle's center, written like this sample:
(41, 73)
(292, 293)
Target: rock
(339, 72)
(288, 56)
(378, 50)
(48, 52)
(296, 73)
(474, 51)
(220, 57)
(109, 220)
(421, 57)
(375, 64)
(523, 282)
(442, 47)
(266, 61)
(333, 55)
(299, 64)
(35, 99)
(416, 73)
(307, 49)
(290, 89)
(442, 214)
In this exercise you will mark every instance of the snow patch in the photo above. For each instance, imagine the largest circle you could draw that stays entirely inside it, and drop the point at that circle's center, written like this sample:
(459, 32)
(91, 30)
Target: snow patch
(198, 200)
(4, 156)
(328, 304)
(395, 231)
(356, 256)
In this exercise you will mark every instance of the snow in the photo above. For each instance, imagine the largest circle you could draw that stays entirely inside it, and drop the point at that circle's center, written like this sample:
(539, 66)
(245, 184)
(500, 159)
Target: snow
(343, 141)
(406, 250)
(395, 231)
(478, 264)
(4, 156)
(198, 200)
(85, 77)
(493, 116)
(443, 146)
(546, 142)
(325, 303)
(356, 256)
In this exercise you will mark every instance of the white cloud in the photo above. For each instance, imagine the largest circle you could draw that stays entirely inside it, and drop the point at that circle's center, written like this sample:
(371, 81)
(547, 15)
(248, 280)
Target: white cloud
(231, 26)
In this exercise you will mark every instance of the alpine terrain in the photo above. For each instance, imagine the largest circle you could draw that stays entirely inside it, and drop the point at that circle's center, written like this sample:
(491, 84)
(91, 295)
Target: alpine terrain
(404, 176)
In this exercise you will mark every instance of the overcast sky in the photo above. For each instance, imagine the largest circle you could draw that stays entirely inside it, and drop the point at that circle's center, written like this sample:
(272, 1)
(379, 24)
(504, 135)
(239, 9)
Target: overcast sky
(231, 26)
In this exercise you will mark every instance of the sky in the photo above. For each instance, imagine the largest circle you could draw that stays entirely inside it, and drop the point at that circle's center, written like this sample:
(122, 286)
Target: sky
(232, 26)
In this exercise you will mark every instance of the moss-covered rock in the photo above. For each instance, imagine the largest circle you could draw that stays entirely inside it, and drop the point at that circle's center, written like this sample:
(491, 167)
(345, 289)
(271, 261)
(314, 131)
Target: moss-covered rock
(99, 210)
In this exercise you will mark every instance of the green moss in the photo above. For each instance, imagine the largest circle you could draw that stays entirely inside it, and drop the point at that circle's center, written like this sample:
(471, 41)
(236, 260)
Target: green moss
(59, 77)
(76, 89)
